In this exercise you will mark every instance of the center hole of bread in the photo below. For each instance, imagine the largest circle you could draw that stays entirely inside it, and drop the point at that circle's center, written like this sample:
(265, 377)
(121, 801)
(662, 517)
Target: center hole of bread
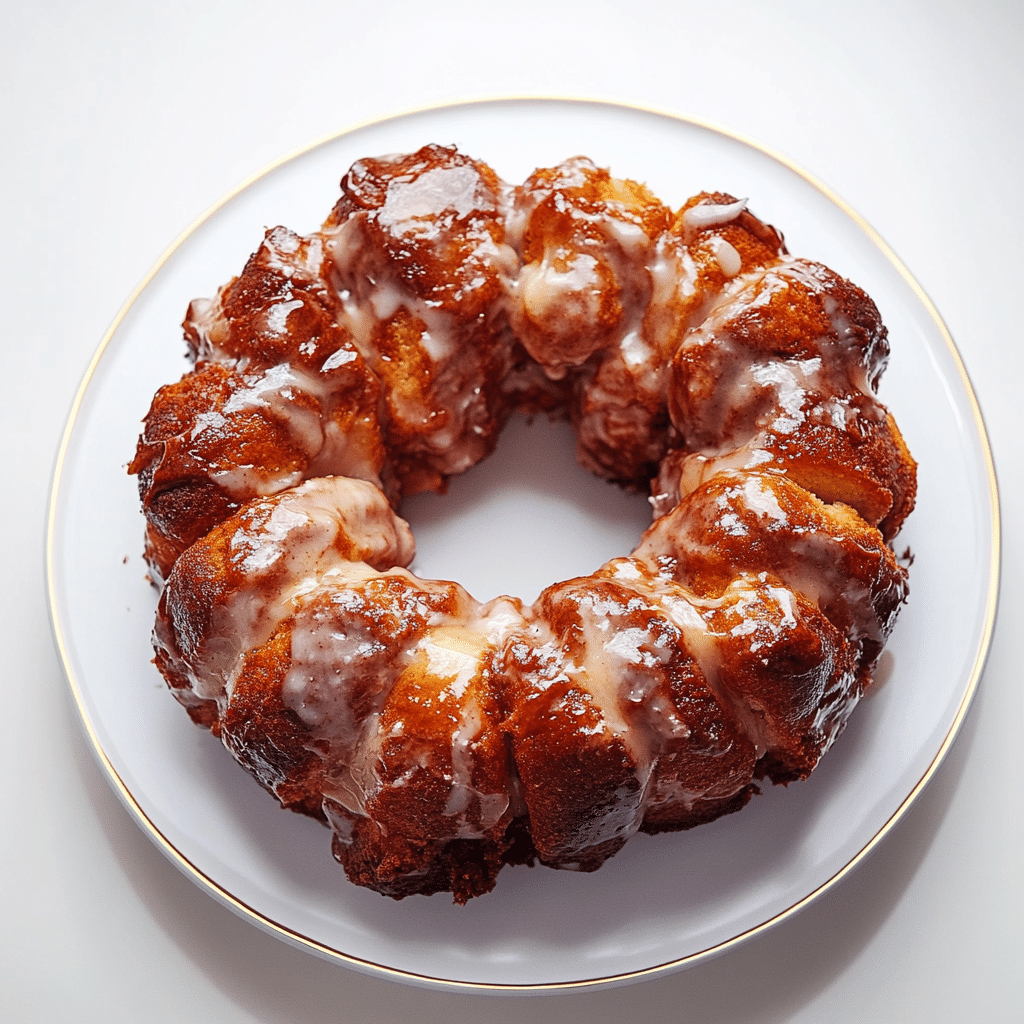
(525, 518)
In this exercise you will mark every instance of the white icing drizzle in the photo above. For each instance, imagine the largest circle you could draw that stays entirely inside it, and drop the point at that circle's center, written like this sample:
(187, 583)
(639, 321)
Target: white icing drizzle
(729, 260)
(277, 315)
(339, 358)
(708, 215)
(411, 207)
(569, 297)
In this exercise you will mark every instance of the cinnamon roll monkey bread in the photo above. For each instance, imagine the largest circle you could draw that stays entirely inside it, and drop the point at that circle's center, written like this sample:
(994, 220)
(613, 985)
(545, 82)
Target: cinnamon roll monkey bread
(441, 738)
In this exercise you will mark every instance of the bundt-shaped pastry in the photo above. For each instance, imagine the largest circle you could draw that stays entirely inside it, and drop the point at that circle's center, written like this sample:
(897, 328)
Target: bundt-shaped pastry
(441, 738)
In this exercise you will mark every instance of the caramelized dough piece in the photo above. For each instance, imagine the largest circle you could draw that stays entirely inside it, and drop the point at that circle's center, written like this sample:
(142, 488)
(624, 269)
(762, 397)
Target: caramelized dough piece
(433, 221)
(612, 723)
(267, 738)
(783, 673)
(438, 808)
(713, 245)
(281, 309)
(398, 867)
(781, 375)
(420, 260)
(790, 674)
(282, 317)
(356, 696)
(580, 781)
(703, 760)
(231, 589)
(762, 522)
(588, 243)
(632, 702)
(393, 685)
(708, 774)
(204, 452)
(585, 239)
(621, 413)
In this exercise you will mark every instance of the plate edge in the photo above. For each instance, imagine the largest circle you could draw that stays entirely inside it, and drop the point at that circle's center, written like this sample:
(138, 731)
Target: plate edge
(294, 938)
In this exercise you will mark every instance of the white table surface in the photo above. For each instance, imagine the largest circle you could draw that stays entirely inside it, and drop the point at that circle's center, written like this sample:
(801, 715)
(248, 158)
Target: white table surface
(122, 122)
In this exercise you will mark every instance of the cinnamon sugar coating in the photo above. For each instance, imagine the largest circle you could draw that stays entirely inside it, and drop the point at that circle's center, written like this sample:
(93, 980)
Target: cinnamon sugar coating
(441, 738)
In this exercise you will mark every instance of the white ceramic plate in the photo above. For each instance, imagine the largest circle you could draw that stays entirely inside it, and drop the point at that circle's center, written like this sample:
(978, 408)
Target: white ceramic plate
(664, 901)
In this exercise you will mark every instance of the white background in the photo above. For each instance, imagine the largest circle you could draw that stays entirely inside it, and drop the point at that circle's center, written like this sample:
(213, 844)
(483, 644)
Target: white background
(122, 122)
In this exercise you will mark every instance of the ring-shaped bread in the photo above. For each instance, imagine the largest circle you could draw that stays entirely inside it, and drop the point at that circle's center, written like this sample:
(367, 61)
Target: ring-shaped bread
(441, 738)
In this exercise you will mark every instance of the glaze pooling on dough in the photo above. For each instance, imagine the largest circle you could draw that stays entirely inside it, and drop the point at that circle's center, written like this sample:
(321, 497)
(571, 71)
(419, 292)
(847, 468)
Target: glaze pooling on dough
(440, 738)
(247, 575)
(431, 336)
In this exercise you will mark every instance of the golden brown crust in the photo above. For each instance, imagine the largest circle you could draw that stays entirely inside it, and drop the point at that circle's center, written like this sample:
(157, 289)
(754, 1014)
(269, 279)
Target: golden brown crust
(433, 218)
(268, 738)
(781, 376)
